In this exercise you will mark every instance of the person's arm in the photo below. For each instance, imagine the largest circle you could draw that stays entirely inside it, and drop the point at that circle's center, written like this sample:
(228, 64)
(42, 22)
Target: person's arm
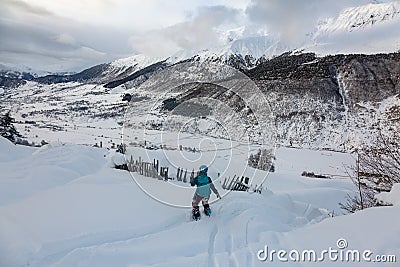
(212, 187)
(193, 181)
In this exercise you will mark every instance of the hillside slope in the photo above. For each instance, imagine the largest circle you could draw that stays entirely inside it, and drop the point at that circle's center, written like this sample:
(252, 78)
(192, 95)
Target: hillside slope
(99, 216)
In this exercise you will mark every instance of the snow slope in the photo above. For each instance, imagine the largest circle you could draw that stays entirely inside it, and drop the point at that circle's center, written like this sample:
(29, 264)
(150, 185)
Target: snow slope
(40, 169)
(91, 215)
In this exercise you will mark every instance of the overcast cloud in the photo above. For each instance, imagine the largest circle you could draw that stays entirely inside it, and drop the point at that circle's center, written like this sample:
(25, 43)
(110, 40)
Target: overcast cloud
(195, 33)
(69, 35)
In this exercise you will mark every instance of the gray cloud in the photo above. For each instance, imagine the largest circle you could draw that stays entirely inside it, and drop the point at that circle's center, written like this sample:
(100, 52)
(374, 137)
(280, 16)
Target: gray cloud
(71, 35)
(16, 5)
(199, 31)
(33, 36)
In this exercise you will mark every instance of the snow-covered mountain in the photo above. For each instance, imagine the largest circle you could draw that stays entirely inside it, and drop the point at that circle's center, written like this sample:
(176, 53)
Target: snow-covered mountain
(311, 97)
(22, 72)
(316, 102)
(369, 29)
(242, 53)
(362, 17)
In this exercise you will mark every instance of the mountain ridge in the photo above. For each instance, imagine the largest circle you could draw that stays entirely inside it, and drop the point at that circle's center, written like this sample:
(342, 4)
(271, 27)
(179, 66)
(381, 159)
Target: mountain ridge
(320, 101)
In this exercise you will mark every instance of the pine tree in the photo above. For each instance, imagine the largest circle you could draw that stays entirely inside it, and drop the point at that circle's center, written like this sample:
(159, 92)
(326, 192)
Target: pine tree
(262, 160)
(7, 129)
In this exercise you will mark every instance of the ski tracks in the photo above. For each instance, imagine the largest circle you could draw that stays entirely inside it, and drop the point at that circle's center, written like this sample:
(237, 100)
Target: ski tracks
(225, 256)
(212, 261)
(231, 255)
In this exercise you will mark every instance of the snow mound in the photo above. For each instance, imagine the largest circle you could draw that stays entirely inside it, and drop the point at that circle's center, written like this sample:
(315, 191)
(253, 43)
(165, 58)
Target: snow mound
(353, 232)
(26, 171)
(392, 197)
(118, 159)
(10, 151)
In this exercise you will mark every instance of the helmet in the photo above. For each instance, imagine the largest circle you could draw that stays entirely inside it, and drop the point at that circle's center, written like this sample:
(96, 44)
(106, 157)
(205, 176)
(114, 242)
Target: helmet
(203, 169)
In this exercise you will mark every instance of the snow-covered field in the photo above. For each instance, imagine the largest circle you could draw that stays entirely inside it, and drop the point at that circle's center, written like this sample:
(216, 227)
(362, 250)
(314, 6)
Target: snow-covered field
(62, 205)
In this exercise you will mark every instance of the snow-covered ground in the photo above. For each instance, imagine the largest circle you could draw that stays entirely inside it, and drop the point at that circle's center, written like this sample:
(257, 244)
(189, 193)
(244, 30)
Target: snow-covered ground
(62, 205)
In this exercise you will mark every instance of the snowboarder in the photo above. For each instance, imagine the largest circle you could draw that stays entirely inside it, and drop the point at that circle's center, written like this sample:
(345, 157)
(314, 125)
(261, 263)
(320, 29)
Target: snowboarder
(203, 192)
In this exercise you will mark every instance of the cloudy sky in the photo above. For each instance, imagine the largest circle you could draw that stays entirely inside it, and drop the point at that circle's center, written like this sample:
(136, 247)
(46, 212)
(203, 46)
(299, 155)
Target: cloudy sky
(70, 35)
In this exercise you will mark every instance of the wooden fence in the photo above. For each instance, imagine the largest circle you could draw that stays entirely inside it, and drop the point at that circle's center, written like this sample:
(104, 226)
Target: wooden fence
(154, 170)
(239, 184)
(148, 169)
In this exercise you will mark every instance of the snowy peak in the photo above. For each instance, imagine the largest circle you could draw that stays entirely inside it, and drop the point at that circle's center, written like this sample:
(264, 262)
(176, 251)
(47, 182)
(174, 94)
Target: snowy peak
(21, 72)
(137, 61)
(258, 46)
(234, 45)
(371, 28)
(368, 29)
(363, 16)
(232, 35)
(238, 52)
(371, 14)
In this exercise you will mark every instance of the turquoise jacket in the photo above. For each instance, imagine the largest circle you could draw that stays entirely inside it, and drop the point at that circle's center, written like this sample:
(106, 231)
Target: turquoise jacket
(204, 185)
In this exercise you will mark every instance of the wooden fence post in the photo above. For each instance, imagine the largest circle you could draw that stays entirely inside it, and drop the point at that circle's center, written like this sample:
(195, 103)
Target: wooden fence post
(192, 176)
(130, 164)
(166, 173)
(232, 182)
(224, 184)
(184, 178)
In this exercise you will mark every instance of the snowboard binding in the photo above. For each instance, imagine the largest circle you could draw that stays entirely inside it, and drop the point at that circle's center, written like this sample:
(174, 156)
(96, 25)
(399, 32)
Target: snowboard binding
(196, 213)
(207, 210)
